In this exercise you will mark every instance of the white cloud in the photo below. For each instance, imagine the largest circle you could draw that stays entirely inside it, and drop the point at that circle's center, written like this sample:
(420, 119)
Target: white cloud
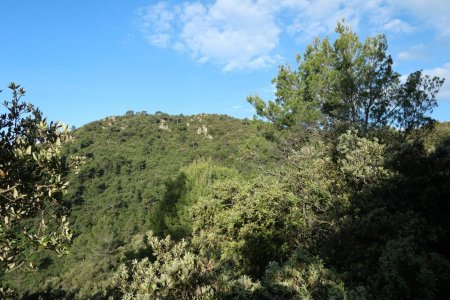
(314, 18)
(398, 26)
(245, 34)
(242, 34)
(435, 12)
(236, 34)
(442, 72)
(320, 16)
(159, 39)
(155, 23)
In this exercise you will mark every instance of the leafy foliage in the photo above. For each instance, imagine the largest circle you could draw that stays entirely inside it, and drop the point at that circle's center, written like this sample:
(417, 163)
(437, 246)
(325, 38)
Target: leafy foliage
(32, 170)
(192, 182)
(360, 159)
(349, 83)
(303, 277)
(175, 273)
(247, 225)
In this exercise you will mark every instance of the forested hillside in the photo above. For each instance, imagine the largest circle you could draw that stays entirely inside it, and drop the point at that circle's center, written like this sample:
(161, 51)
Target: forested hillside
(132, 164)
(339, 188)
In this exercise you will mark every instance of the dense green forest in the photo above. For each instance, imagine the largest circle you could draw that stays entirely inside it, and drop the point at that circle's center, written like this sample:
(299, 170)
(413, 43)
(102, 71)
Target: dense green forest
(339, 188)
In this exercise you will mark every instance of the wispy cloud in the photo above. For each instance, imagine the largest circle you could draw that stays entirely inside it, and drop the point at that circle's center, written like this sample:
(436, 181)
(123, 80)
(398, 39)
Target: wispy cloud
(238, 34)
(245, 34)
(398, 26)
(156, 23)
(235, 34)
(415, 52)
(313, 18)
(434, 12)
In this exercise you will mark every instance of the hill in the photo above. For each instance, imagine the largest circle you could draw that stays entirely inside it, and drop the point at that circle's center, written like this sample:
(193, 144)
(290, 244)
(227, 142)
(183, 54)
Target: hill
(130, 161)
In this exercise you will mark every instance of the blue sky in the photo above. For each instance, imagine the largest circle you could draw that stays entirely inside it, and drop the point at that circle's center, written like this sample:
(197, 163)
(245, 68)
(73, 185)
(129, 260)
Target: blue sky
(83, 60)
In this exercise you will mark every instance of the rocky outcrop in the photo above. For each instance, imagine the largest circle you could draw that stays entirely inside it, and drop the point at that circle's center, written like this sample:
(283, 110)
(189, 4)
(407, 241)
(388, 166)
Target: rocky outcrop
(163, 125)
(204, 130)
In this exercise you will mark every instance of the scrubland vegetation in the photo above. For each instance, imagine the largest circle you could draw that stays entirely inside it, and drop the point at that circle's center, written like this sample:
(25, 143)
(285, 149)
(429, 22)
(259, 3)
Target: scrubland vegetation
(339, 188)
